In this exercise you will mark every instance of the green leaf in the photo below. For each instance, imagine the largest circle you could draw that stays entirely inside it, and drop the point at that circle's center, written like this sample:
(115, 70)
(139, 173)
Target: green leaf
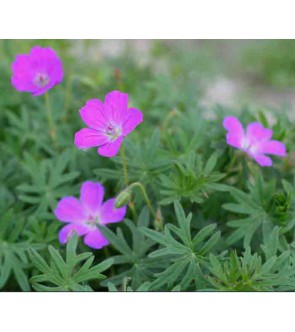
(183, 257)
(189, 180)
(132, 254)
(65, 275)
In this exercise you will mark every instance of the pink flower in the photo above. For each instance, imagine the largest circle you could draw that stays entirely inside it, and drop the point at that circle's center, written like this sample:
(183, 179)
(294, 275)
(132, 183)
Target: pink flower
(256, 142)
(37, 71)
(83, 215)
(108, 123)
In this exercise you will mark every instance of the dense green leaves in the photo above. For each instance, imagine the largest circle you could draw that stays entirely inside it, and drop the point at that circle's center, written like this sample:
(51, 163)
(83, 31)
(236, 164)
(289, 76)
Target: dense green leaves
(191, 180)
(13, 251)
(232, 227)
(132, 253)
(145, 287)
(69, 274)
(185, 253)
(264, 207)
(47, 178)
(250, 272)
(146, 161)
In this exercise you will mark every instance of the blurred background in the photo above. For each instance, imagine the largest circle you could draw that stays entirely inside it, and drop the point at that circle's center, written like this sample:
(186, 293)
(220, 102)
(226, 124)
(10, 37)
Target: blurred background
(229, 72)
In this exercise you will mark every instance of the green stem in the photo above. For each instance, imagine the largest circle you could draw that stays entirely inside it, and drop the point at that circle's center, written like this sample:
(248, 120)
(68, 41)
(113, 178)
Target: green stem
(124, 165)
(148, 202)
(168, 118)
(124, 162)
(132, 207)
(67, 98)
(126, 281)
(232, 162)
(52, 131)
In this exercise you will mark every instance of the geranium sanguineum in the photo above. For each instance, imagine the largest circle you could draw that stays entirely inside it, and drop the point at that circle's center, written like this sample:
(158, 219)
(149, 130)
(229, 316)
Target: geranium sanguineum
(109, 122)
(85, 214)
(37, 71)
(256, 141)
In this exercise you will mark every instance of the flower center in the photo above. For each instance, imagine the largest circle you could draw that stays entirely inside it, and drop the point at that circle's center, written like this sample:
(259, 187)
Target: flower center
(246, 145)
(92, 221)
(113, 131)
(41, 80)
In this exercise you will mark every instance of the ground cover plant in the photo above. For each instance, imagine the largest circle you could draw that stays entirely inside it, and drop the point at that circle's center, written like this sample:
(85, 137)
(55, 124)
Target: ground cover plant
(114, 176)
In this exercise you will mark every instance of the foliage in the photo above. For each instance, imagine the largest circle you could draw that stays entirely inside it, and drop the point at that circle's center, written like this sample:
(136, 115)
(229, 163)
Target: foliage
(254, 272)
(191, 180)
(145, 287)
(47, 177)
(66, 275)
(13, 251)
(272, 62)
(204, 216)
(185, 253)
(264, 207)
(133, 255)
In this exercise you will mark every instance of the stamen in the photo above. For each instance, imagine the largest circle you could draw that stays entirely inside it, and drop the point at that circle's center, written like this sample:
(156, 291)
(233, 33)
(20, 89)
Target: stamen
(113, 131)
(92, 221)
(41, 80)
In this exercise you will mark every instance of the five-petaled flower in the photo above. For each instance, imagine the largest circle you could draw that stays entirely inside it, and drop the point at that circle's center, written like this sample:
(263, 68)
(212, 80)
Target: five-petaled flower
(256, 141)
(37, 71)
(85, 214)
(108, 123)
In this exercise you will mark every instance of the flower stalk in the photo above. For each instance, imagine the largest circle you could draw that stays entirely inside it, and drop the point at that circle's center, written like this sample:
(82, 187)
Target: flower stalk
(126, 194)
(52, 130)
(124, 163)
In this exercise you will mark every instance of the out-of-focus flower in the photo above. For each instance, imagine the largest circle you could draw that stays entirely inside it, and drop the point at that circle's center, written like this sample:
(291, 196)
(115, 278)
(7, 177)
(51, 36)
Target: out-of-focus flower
(85, 214)
(256, 141)
(108, 123)
(36, 72)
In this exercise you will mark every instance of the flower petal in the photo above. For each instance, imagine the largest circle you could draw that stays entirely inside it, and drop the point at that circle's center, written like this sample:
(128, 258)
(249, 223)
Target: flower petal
(262, 160)
(274, 147)
(67, 231)
(91, 196)
(110, 149)
(116, 104)
(232, 124)
(93, 114)
(46, 60)
(234, 140)
(44, 53)
(22, 74)
(109, 214)
(94, 239)
(132, 118)
(40, 61)
(257, 133)
(69, 209)
(235, 135)
(88, 138)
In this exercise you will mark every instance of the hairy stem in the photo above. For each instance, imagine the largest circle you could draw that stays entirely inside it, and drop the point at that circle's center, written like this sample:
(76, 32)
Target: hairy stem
(52, 131)
(67, 98)
(125, 172)
(124, 165)
(167, 120)
(148, 202)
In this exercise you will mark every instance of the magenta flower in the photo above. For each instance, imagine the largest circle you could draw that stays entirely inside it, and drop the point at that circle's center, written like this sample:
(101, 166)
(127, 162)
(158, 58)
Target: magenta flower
(83, 215)
(108, 123)
(37, 71)
(256, 142)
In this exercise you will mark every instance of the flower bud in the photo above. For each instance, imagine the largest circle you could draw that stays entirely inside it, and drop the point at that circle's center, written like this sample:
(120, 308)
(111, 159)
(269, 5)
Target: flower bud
(123, 198)
(159, 220)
